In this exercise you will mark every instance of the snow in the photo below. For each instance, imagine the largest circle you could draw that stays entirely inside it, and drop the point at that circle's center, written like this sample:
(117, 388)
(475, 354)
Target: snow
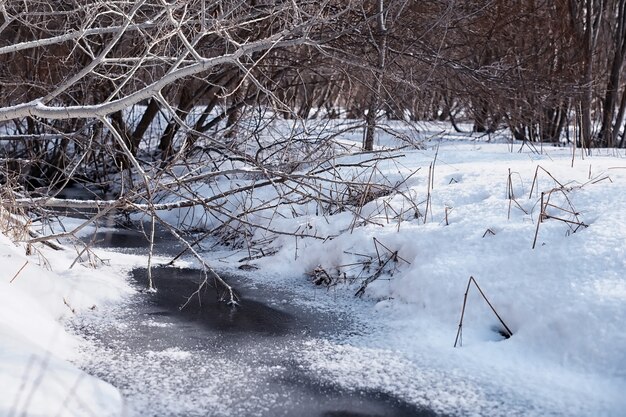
(564, 300)
(35, 375)
(175, 354)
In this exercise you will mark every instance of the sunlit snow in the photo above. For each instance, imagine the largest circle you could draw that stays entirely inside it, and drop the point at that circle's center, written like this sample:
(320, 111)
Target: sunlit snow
(564, 300)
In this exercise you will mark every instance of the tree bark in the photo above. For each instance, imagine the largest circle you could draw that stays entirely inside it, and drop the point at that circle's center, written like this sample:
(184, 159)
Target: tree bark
(146, 119)
(608, 132)
(374, 104)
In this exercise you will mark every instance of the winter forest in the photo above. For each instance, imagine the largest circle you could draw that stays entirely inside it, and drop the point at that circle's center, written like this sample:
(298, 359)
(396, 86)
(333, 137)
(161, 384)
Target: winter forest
(313, 208)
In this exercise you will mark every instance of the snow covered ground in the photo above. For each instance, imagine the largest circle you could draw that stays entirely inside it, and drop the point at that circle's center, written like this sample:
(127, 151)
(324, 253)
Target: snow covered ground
(35, 375)
(471, 214)
(564, 300)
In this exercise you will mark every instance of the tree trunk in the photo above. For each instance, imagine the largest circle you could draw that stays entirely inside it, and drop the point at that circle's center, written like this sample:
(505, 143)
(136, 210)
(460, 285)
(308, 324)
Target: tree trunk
(146, 119)
(185, 103)
(585, 102)
(620, 118)
(607, 132)
(234, 116)
(374, 104)
(586, 21)
(117, 120)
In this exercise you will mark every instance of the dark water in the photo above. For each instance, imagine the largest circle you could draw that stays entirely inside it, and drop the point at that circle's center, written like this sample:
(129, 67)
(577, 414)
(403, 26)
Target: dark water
(211, 359)
(178, 287)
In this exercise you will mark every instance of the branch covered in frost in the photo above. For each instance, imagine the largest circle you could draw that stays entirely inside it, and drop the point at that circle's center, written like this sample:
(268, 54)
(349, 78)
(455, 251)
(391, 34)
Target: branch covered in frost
(37, 108)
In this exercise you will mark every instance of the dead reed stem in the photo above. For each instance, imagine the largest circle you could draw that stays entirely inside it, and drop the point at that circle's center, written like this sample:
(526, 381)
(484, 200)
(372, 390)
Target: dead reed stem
(459, 334)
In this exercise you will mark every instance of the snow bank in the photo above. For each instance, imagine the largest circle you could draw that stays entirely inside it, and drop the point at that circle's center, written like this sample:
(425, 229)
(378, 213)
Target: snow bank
(35, 375)
(564, 300)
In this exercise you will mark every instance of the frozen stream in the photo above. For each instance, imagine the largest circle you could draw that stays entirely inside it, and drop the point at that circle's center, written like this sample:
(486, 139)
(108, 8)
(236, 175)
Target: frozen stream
(210, 359)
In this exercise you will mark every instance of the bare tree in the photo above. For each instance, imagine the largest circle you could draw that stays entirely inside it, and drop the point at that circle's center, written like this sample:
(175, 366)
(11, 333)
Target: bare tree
(156, 100)
(612, 119)
(94, 66)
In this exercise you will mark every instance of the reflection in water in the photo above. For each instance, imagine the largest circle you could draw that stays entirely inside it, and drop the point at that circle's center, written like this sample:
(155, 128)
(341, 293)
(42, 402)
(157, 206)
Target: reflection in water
(178, 287)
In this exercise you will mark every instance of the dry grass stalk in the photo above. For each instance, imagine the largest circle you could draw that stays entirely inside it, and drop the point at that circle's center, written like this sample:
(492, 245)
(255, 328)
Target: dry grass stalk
(368, 269)
(536, 180)
(511, 195)
(459, 334)
(574, 223)
(18, 272)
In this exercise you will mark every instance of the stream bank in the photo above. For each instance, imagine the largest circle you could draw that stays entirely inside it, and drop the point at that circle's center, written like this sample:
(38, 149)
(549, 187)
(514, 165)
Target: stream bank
(211, 359)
